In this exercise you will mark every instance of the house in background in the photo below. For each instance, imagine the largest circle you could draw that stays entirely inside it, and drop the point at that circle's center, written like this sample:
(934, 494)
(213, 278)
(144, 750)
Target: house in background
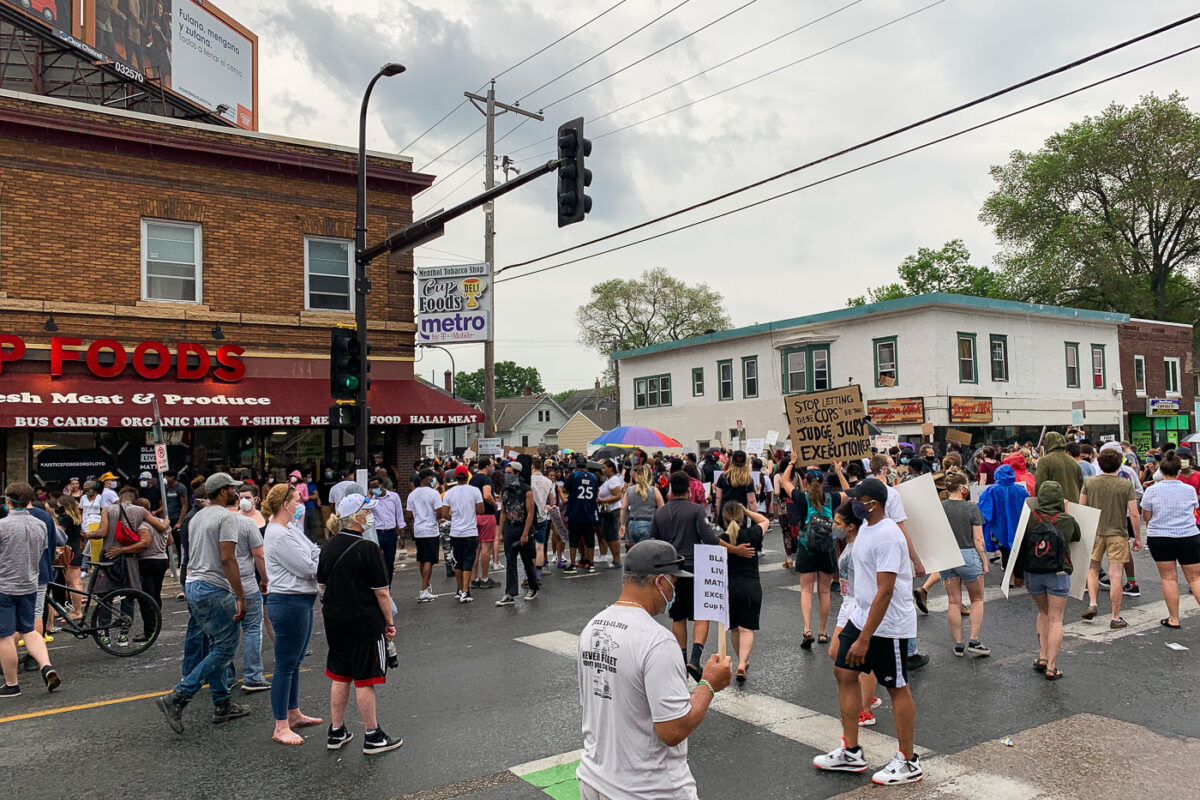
(583, 427)
(531, 420)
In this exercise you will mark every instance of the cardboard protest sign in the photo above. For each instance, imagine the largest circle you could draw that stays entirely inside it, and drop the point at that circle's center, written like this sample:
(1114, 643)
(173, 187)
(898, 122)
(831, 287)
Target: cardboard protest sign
(927, 525)
(958, 437)
(711, 584)
(828, 426)
(1081, 551)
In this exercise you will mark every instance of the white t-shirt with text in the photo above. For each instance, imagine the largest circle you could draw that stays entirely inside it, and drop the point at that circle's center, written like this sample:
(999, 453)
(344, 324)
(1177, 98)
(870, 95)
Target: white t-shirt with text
(630, 677)
(461, 499)
(882, 548)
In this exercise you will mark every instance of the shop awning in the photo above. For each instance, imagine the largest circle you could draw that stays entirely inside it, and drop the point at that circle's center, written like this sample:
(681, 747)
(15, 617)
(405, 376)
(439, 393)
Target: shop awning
(39, 401)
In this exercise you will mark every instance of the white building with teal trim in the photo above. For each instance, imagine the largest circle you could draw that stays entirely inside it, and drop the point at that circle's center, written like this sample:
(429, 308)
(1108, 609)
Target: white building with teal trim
(1031, 365)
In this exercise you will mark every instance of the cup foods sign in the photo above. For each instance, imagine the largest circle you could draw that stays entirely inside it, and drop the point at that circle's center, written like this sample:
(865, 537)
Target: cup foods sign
(454, 304)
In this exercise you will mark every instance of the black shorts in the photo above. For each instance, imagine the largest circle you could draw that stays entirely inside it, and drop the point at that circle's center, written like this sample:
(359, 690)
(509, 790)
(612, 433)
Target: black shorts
(608, 527)
(427, 549)
(814, 561)
(582, 533)
(683, 606)
(1183, 549)
(464, 549)
(886, 658)
(354, 656)
(745, 603)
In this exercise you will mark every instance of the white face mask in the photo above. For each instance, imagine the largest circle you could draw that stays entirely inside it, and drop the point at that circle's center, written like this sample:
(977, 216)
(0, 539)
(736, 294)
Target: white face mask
(246, 504)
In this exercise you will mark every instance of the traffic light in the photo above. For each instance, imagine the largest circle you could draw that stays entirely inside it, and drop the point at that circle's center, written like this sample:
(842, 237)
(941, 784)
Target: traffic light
(345, 363)
(573, 177)
(344, 416)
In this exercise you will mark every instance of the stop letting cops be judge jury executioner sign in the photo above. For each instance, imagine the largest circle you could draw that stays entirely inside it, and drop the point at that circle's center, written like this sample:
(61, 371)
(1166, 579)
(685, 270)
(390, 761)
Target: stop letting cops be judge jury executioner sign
(828, 426)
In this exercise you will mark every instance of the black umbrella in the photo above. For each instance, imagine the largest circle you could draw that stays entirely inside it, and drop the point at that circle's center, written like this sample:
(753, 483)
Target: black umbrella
(619, 453)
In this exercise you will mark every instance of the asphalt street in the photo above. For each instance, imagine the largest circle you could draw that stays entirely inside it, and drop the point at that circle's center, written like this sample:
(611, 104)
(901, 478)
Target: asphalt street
(486, 699)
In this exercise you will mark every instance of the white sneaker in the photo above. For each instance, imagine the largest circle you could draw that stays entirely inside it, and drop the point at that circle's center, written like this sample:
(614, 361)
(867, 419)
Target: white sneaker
(841, 760)
(876, 703)
(899, 770)
(425, 596)
(458, 593)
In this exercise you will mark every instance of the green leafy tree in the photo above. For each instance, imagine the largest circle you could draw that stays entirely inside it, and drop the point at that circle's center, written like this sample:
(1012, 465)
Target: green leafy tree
(946, 270)
(511, 381)
(1107, 214)
(655, 308)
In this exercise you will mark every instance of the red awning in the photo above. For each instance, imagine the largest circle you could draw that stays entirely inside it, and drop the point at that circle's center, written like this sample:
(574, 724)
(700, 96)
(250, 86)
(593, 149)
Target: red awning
(79, 401)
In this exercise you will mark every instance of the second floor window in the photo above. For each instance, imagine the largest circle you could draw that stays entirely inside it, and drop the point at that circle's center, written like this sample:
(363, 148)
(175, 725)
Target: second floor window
(885, 362)
(1171, 379)
(724, 380)
(171, 262)
(966, 359)
(328, 266)
(651, 392)
(1072, 365)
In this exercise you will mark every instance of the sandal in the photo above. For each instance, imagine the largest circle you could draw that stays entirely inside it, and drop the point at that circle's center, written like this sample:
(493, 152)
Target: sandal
(807, 641)
(741, 675)
(1053, 674)
(822, 638)
(1166, 623)
(1039, 665)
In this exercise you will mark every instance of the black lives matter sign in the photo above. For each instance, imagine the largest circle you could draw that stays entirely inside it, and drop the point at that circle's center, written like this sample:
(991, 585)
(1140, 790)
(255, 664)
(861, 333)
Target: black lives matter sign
(828, 426)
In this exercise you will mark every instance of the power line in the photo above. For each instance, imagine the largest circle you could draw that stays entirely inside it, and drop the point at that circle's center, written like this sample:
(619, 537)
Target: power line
(705, 71)
(756, 78)
(648, 56)
(590, 59)
(866, 143)
(457, 169)
(510, 69)
(452, 147)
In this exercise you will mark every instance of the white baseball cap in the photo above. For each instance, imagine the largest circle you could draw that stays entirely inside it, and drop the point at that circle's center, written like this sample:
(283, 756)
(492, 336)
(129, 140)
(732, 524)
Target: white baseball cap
(351, 504)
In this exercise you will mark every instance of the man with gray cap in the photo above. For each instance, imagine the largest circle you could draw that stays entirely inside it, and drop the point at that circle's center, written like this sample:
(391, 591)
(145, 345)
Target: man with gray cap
(216, 603)
(637, 710)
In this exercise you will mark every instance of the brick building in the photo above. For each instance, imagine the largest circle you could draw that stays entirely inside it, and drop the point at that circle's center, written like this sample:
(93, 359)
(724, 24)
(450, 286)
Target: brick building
(1158, 386)
(141, 255)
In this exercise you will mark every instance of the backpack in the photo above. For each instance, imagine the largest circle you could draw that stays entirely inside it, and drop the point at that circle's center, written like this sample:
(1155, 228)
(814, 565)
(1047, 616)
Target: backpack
(1043, 551)
(818, 528)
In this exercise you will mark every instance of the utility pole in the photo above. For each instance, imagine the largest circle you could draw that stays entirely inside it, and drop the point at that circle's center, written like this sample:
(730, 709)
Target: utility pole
(489, 110)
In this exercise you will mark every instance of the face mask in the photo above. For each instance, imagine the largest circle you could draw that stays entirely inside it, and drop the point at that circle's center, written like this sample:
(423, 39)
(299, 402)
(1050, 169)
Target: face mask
(143, 484)
(670, 602)
(903, 460)
(111, 484)
(377, 492)
(511, 480)
(1185, 462)
(328, 473)
(298, 513)
(433, 483)
(839, 533)
(245, 504)
(859, 509)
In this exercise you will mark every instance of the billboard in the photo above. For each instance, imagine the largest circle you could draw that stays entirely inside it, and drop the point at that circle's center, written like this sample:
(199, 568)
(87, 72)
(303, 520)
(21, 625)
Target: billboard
(454, 304)
(191, 46)
(57, 13)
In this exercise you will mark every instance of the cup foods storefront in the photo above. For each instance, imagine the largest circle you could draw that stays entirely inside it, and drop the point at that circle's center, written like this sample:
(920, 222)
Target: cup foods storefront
(74, 408)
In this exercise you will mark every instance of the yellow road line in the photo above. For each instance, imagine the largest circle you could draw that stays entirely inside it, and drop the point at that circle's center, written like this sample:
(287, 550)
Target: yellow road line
(99, 704)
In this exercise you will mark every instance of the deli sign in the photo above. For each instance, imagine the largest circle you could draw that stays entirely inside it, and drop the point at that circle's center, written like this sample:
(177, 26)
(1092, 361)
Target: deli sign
(149, 359)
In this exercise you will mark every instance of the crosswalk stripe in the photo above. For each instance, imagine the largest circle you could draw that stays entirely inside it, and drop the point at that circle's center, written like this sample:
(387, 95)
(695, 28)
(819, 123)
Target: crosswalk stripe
(1141, 618)
(546, 763)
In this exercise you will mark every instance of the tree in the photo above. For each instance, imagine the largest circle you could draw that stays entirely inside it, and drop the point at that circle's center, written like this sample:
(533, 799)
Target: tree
(1107, 214)
(946, 270)
(656, 308)
(511, 381)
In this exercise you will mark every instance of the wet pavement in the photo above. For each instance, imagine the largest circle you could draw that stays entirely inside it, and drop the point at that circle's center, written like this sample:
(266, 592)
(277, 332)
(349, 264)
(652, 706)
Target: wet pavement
(487, 716)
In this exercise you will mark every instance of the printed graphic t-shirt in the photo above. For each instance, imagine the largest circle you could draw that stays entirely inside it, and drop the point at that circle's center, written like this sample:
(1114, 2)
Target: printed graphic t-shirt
(630, 677)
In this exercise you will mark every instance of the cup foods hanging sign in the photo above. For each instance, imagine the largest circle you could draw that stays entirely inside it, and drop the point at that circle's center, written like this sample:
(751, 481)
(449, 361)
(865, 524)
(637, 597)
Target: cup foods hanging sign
(454, 304)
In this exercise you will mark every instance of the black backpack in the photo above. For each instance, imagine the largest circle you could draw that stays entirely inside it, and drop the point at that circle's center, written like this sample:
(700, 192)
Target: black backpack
(818, 530)
(1043, 550)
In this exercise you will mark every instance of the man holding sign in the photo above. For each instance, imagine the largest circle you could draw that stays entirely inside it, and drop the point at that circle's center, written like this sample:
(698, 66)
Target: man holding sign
(875, 638)
(637, 710)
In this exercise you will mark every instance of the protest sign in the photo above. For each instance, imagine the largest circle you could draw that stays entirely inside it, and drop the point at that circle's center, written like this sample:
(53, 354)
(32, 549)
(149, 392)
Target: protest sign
(927, 525)
(772, 438)
(489, 447)
(885, 441)
(1081, 551)
(828, 426)
(958, 437)
(711, 588)
(735, 443)
(755, 447)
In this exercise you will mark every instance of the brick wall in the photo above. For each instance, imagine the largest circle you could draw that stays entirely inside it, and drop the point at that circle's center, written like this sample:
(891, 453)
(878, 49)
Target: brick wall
(75, 184)
(1155, 341)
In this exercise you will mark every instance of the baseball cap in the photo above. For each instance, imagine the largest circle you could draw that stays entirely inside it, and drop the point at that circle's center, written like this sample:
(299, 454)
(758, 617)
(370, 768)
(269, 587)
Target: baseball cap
(218, 481)
(1115, 446)
(654, 557)
(739, 457)
(872, 488)
(108, 476)
(146, 474)
(351, 504)
(515, 466)
(461, 471)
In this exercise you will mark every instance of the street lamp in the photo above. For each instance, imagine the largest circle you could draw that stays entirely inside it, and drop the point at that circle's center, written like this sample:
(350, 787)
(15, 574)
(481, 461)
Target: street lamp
(361, 286)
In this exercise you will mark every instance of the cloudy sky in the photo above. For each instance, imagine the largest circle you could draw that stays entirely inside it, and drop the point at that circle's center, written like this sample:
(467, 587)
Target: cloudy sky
(801, 254)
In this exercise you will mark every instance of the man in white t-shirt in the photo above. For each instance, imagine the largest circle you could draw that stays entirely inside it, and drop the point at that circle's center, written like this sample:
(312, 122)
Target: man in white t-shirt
(875, 639)
(426, 507)
(637, 709)
(464, 503)
(895, 512)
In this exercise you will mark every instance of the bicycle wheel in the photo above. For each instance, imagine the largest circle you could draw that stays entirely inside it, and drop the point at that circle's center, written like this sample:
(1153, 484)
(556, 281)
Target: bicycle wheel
(122, 617)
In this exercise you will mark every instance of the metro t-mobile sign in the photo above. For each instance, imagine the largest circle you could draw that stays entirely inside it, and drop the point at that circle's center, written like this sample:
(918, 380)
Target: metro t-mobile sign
(151, 360)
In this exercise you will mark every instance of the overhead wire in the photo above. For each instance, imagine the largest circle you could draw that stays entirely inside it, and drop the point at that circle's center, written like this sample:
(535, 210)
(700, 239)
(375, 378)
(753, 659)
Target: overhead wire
(891, 134)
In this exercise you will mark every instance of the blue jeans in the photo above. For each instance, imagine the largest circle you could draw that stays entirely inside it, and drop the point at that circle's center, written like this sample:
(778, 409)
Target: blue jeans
(252, 625)
(292, 617)
(388, 539)
(212, 609)
(639, 530)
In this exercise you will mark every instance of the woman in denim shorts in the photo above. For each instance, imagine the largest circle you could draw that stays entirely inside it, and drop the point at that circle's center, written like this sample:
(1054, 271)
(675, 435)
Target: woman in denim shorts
(966, 521)
(1051, 589)
(640, 501)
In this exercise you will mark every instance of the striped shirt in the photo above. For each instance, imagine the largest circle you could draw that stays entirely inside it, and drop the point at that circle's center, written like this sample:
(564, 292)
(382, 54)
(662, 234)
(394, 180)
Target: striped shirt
(1172, 505)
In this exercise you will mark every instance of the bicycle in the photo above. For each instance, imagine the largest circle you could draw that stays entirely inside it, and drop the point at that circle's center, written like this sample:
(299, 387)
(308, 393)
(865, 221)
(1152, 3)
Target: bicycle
(117, 608)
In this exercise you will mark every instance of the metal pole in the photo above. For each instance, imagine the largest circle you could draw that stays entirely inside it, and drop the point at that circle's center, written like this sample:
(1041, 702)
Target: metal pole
(162, 482)
(489, 254)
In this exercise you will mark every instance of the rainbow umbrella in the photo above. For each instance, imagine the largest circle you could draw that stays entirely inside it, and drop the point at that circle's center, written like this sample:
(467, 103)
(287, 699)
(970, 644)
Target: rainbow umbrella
(634, 436)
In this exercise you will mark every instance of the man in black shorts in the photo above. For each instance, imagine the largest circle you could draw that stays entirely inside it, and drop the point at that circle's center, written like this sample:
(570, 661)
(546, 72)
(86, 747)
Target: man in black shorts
(683, 524)
(875, 637)
(583, 491)
(357, 608)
